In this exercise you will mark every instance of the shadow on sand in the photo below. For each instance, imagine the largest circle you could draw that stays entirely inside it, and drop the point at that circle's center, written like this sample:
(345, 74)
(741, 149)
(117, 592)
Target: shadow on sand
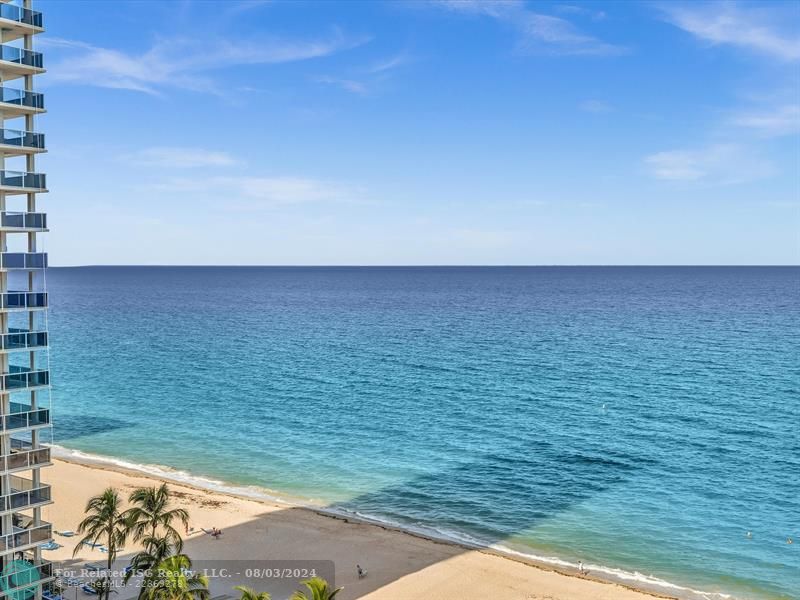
(511, 493)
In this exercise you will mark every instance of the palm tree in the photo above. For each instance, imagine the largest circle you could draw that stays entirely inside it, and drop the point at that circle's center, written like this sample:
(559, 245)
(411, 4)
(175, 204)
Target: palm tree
(151, 513)
(155, 551)
(318, 588)
(104, 521)
(173, 579)
(251, 594)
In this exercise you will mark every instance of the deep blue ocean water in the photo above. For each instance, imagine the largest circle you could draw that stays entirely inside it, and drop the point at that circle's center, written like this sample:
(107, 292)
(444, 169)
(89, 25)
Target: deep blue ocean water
(643, 419)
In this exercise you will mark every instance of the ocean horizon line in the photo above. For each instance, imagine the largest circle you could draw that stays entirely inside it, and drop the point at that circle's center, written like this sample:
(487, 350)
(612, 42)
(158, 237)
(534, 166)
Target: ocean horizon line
(436, 266)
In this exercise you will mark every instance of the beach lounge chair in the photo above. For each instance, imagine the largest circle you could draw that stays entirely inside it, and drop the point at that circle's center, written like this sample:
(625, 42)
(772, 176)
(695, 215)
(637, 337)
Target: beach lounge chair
(50, 546)
(87, 589)
(48, 595)
(66, 533)
(92, 567)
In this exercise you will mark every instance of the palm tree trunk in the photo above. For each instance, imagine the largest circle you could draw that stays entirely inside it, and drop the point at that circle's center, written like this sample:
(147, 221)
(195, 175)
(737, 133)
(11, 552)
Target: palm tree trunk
(107, 590)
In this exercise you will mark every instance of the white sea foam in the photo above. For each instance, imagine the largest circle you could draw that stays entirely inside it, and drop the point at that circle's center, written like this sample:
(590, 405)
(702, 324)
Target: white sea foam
(632, 578)
(170, 474)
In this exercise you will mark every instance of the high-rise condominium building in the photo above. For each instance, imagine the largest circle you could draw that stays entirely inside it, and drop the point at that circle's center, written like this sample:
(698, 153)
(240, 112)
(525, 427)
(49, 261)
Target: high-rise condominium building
(24, 367)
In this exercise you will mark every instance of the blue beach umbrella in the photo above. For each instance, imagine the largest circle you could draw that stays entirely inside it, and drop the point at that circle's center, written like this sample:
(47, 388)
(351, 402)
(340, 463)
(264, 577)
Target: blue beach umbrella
(19, 574)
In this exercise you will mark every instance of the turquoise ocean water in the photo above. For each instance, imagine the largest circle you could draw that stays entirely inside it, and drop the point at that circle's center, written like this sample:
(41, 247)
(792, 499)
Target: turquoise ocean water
(641, 420)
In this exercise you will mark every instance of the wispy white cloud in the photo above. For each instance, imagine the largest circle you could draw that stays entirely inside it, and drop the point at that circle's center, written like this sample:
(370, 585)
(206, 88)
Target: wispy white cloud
(719, 164)
(246, 5)
(182, 62)
(389, 64)
(258, 192)
(366, 80)
(774, 122)
(573, 9)
(350, 85)
(172, 157)
(768, 30)
(539, 32)
(595, 106)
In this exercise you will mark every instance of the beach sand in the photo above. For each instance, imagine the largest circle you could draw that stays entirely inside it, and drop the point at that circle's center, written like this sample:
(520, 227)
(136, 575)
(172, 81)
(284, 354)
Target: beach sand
(401, 566)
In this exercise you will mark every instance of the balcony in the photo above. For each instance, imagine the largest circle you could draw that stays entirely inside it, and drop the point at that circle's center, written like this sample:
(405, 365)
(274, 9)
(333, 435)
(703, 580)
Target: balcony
(23, 221)
(19, 301)
(18, 62)
(22, 577)
(24, 456)
(22, 182)
(16, 21)
(16, 103)
(20, 379)
(19, 340)
(22, 418)
(23, 494)
(22, 261)
(15, 142)
(25, 535)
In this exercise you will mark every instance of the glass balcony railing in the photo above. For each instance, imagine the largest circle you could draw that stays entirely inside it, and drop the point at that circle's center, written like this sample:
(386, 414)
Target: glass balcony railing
(23, 220)
(26, 537)
(23, 339)
(23, 300)
(21, 56)
(22, 417)
(23, 179)
(23, 378)
(21, 97)
(24, 456)
(23, 493)
(21, 15)
(22, 139)
(22, 581)
(23, 260)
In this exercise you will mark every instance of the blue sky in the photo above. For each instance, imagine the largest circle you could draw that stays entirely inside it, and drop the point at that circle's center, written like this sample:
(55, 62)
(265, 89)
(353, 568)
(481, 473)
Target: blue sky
(422, 133)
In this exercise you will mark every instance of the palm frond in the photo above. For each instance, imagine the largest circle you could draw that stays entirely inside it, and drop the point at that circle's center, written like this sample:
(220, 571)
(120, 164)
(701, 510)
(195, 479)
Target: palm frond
(318, 588)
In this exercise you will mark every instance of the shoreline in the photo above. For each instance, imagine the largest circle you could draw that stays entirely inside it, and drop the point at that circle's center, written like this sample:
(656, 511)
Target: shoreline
(276, 501)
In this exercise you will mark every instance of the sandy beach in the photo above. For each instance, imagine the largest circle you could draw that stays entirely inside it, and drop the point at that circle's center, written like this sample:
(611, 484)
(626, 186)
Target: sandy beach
(401, 566)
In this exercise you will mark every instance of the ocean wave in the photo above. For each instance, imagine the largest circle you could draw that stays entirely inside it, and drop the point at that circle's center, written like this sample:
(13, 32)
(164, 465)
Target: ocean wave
(174, 475)
(631, 578)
